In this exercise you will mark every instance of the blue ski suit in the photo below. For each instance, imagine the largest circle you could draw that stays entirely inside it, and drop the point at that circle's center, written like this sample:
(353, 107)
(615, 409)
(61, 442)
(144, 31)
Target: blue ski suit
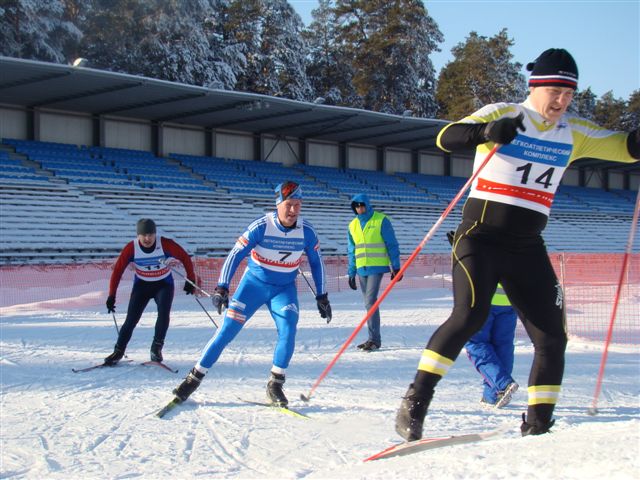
(275, 256)
(491, 349)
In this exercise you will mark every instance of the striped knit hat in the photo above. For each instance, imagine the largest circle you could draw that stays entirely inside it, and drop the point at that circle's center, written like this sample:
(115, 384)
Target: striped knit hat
(287, 190)
(554, 68)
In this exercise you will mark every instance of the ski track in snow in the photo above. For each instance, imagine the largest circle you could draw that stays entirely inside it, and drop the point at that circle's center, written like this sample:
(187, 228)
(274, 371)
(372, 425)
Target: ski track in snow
(57, 424)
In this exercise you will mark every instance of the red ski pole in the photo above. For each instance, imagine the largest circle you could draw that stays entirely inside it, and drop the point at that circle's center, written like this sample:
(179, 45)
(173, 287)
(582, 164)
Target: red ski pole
(386, 291)
(623, 272)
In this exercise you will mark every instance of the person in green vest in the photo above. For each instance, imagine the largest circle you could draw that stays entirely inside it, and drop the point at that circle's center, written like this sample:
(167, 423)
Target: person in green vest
(491, 350)
(372, 251)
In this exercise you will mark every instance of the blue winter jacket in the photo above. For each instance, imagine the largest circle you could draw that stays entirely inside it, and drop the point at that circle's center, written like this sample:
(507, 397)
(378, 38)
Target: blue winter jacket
(388, 235)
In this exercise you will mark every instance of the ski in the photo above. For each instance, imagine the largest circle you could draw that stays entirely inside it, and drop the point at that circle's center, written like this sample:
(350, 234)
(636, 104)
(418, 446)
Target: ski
(168, 407)
(407, 448)
(99, 365)
(161, 365)
(285, 410)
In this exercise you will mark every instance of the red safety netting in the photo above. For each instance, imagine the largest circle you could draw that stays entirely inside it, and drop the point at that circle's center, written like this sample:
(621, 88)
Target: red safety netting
(590, 283)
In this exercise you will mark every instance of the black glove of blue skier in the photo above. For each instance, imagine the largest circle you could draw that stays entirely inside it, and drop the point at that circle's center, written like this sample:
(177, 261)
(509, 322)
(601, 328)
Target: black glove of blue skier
(352, 283)
(220, 299)
(324, 307)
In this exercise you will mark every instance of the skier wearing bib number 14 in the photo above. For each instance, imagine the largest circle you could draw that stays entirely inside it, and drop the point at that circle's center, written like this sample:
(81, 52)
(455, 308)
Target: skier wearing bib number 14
(499, 238)
(275, 244)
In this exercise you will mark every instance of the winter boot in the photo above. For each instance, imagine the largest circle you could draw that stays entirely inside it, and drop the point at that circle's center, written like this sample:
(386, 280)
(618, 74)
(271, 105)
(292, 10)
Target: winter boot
(411, 413)
(504, 397)
(115, 357)
(274, 390)
(189, 385)
(156, 351)
(369, 346)
(537, 428)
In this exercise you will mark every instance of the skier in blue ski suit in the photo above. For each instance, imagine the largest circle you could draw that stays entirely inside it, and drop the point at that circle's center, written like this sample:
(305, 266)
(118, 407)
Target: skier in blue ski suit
(490, 350)
(275, 244)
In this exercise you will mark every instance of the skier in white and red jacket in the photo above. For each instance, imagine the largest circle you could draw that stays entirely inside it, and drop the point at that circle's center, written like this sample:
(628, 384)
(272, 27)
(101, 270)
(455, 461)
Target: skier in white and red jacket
(153, 280)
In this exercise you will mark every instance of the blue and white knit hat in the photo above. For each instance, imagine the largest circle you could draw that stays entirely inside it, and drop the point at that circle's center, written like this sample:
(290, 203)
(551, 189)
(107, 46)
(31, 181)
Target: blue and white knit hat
(287, 190)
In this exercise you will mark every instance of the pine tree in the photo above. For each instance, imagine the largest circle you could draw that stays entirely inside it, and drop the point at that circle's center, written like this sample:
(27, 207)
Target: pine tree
(270, 33)
(329, 70)
(176, 45)
(482, 72)
(389, 43)
(609, 112)
(113, 33)
(631, 119)
(584, 104)
(37, 30)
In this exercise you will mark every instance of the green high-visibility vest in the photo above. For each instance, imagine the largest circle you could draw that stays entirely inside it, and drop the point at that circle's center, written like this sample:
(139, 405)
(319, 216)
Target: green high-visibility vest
(500, 298)
(370, 250)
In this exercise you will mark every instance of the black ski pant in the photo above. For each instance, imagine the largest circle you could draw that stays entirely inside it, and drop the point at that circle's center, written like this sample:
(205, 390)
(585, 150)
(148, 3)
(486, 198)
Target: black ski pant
(482, 256)
(161, 292)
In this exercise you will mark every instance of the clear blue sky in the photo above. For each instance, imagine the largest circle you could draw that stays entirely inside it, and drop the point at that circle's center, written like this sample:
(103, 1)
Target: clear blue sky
(602, 35)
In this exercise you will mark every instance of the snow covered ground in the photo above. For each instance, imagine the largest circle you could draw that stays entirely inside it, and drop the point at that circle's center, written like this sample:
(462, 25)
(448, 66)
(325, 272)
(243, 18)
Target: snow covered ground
(58, 424)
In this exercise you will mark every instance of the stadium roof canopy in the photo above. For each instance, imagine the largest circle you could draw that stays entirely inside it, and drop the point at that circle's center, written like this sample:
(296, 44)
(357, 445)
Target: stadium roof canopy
(39, 85)
(32, 84)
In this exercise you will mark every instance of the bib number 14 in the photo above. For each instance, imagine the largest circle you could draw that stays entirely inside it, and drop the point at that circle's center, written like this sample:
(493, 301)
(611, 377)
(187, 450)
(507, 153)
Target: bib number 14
(544, 179)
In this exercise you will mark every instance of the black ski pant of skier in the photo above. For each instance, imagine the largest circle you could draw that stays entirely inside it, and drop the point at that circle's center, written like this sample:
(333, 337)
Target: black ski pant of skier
(501, 243)
(161, 292)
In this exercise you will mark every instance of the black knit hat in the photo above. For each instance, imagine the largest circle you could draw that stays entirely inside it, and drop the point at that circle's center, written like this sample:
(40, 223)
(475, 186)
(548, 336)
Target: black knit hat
(145, 226)
(554, 68)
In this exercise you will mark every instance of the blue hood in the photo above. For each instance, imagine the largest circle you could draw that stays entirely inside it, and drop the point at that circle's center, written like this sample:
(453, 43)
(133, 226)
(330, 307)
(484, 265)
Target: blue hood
(362, 198)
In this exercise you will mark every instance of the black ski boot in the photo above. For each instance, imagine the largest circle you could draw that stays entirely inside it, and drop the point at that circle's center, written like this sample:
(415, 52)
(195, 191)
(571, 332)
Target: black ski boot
(411, 413)
(537, 428)
(156, 351)
(115, 357)
(274, 390)
(189, 385)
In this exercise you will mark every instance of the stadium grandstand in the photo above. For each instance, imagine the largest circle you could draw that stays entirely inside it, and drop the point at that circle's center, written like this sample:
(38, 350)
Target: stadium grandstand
(85, 153)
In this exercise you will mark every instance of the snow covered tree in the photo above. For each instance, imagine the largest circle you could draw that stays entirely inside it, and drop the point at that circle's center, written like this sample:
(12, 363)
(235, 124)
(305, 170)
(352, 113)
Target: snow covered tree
(113, 35)
(37, 30)
(610, 111)
(269, 33)
(482, 72)
(584, 103)
(175, 46)
(631, 118)
(167, 39)
(389, 43)
(329, 69)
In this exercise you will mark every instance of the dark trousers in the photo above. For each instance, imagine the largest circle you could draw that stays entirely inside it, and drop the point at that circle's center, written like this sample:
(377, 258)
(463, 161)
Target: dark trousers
(162, 293)
(483, 256)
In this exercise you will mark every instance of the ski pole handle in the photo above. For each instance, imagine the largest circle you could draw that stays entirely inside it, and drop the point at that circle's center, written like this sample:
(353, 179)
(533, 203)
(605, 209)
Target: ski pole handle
(165, 263)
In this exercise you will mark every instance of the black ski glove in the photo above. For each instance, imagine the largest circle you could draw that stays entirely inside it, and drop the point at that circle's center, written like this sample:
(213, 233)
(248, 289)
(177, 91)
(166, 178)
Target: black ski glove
(503, 131)
(189, 288)
(352, 283)
(220, 299)
(111, 304)
(324, 307)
